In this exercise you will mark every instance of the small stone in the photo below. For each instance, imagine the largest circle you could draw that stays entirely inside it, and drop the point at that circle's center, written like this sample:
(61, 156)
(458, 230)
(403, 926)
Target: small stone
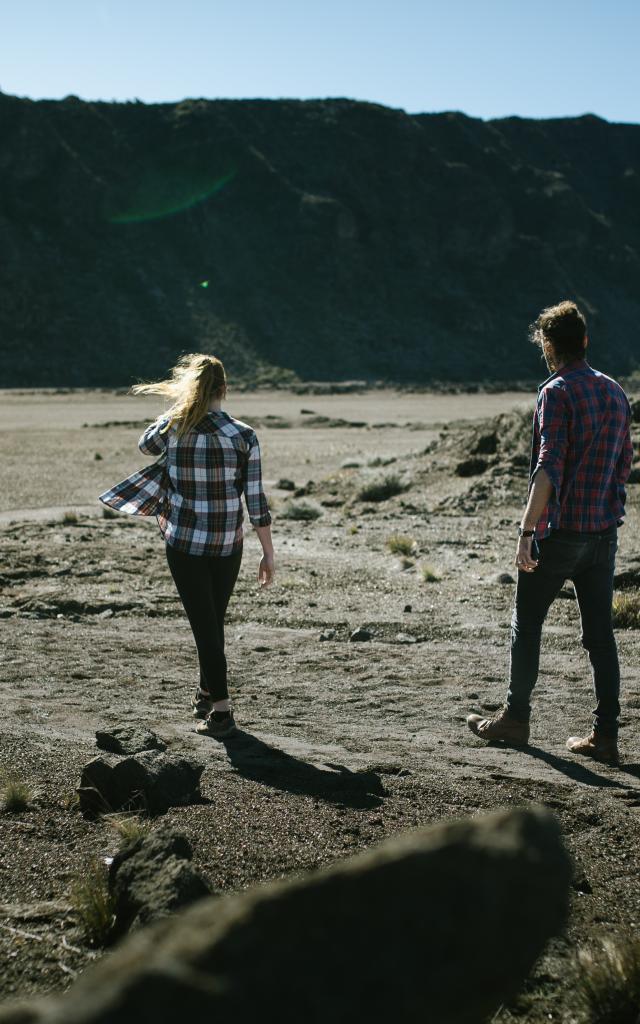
(328, 634)
(360, 636)
(128, 739)
(404, 638)
(106, 614)
(407, 608)
(284, 484)
(503, 577)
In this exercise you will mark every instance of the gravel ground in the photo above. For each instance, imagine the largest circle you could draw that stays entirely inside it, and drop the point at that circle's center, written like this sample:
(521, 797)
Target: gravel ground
(342, 743)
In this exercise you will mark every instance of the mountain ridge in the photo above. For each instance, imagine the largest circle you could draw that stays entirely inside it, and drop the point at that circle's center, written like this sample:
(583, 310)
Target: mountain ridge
(325, 239)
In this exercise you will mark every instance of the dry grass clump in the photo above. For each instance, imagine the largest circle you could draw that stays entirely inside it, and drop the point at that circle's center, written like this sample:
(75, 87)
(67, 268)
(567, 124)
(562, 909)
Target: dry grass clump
(382, 489)
(608, 987)
(129, 827)
(70, 518)
(16, 795)
(626, 610)
(303, 510)
(109, 513)
(429, 574)
(90, 898)
(399, 544)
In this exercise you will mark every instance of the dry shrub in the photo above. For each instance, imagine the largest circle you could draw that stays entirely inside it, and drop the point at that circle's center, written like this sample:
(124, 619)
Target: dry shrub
(399, 544)
(90, 898)
(626, 610)
(381, 490)
(70, 518)
(608, 988)
(429, 574)
(15, 794)
(303, 510)
(129, 827)
(109, 513)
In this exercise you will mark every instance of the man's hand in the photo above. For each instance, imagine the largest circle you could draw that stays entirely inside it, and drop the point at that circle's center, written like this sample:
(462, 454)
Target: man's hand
(524, 560)
(266, 570)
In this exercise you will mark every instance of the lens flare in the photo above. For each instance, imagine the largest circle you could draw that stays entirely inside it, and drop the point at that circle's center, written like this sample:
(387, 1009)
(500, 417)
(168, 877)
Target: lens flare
(155, 196)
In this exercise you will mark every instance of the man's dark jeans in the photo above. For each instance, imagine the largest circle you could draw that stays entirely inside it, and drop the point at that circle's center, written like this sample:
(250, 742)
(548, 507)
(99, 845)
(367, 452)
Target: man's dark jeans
(589, 560)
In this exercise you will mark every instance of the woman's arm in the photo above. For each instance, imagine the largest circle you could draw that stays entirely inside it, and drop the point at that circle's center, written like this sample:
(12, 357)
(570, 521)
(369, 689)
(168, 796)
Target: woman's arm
(154, 439)
(259, 514)
(267, 567)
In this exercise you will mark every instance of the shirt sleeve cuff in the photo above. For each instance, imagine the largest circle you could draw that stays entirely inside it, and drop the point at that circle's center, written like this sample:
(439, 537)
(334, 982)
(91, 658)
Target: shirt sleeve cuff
(264, 520)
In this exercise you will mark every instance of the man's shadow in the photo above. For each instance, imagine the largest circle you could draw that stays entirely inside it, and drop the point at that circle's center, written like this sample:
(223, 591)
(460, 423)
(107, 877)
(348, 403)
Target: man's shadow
(256, 760)
(572, 769)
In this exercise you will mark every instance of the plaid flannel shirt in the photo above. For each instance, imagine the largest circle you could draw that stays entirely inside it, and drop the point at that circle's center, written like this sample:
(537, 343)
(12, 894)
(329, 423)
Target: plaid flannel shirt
(581, 438)
(196, 486)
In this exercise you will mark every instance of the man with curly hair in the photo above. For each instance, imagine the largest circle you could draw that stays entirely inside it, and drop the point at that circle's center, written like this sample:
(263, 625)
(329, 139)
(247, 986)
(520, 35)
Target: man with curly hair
(580, 462)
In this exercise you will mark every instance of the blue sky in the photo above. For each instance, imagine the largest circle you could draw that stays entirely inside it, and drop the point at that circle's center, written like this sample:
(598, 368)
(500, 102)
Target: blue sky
(488, 58)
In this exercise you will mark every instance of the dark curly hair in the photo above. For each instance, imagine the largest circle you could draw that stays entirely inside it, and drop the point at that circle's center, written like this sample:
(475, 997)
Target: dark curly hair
(564, 326)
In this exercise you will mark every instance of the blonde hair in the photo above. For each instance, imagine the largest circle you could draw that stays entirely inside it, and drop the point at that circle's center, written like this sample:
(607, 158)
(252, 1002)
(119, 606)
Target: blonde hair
(194, 382)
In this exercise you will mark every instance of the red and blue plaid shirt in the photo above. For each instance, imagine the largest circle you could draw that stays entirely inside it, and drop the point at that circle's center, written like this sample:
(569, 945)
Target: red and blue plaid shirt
(581, 438)
(196, 486)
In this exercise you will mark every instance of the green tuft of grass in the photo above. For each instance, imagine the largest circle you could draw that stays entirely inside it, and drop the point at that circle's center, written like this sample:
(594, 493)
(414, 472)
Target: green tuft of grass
(303, 510)
(626, 610)
(382, 489)
(15, 795)
(91, 900)
(399, 544)
(70, 518)
(429, 574)
(608, 985)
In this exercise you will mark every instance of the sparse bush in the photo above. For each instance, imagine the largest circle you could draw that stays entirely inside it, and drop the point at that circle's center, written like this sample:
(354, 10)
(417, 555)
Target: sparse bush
(626, 610)
(399, 544)
(97, 457)
(304, 510)
(383, 489)
(406, 563)
(15, 794)
(429, 574)
(109, 513)
(90, 898)
(380, 461)
(284, 484)
(608, 987)
(129, 827)
(70, 518)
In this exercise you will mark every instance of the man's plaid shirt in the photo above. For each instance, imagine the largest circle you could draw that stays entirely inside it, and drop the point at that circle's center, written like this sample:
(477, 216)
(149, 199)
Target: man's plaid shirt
(196, 487)
(581, 439)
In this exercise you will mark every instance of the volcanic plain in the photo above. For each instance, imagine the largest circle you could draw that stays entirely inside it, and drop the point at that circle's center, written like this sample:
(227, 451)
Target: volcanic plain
(394, 520)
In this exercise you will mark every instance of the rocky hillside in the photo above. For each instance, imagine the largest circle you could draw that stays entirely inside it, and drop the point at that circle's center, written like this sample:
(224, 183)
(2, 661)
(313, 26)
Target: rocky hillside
(332, 239)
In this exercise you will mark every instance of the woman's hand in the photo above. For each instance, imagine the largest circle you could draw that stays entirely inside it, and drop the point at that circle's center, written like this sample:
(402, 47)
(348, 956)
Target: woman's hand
(524, 559)
(266, 570)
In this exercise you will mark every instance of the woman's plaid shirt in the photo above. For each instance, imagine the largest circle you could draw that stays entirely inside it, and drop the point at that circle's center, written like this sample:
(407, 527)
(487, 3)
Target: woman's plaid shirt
(196, 487)
(581, 438)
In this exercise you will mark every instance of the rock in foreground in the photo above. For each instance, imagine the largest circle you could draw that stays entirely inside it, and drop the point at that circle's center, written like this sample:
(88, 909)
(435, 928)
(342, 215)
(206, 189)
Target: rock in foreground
(442, 925)
(151, 781)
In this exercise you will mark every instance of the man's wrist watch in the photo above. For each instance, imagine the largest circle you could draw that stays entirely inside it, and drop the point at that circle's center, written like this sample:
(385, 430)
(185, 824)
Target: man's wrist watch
(525, 533)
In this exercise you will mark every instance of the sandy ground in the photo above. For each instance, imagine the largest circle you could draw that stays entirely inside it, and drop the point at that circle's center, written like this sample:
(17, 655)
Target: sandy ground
(342, 742)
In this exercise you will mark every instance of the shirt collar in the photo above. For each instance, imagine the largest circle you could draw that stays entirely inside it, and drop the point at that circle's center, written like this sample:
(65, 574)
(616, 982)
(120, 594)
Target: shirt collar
(575, 364)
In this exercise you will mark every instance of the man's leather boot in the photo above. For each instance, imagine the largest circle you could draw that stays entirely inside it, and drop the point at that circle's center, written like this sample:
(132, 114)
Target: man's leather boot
(599, 747)
(502, 727)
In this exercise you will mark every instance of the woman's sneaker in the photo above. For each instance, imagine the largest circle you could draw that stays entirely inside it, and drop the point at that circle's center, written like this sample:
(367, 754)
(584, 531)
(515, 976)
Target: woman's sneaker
(201, 704)
(218, 724)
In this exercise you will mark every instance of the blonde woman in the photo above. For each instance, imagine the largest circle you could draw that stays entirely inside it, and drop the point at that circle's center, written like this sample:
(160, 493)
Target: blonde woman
(207, 461)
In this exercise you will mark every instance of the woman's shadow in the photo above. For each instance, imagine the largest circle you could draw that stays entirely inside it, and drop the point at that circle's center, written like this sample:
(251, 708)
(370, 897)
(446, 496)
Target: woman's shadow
(260, 762)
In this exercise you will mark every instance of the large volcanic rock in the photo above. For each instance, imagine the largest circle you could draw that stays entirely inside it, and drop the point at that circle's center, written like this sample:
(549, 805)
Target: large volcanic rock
(441, 924)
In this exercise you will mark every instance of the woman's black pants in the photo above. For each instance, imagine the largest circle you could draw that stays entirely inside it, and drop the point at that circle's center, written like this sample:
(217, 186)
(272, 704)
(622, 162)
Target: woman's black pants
(205, 585)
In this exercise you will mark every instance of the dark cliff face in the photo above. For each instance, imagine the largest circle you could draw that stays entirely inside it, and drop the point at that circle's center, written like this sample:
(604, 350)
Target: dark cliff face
(332, 238)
